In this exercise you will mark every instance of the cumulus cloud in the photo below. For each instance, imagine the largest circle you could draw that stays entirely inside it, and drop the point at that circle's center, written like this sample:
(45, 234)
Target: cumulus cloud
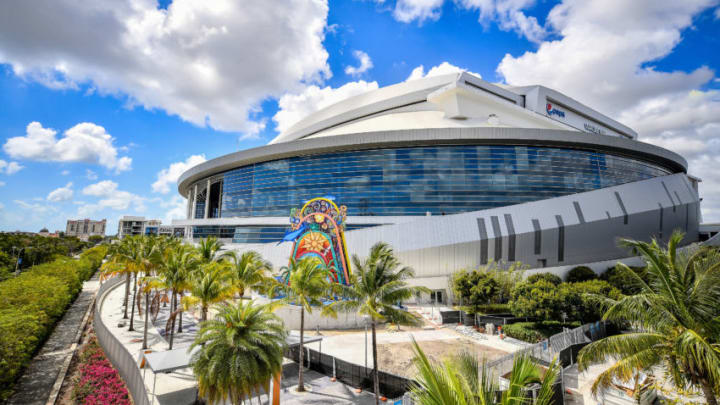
(294, 107)
(2, 183)
(208, 62)
(169, 175)
(365, 64)
(65, 172)
(61, 193)
(35, 209)
(508, 14)
(603, 58)
(113, 198)
(85, 142)
(441, 69)
(417, 10)
(90, 175)
(175, 208)
(10, 167)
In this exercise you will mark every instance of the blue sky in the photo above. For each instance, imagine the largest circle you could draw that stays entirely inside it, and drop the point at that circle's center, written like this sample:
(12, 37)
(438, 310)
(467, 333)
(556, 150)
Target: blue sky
(102, 107)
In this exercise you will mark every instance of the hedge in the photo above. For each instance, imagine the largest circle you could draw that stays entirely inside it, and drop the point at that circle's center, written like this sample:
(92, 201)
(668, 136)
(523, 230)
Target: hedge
(581, 273)
(31, 304)
(534, 332)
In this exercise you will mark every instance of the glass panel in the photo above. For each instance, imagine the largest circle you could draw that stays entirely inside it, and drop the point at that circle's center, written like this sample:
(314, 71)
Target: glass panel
(415, 181)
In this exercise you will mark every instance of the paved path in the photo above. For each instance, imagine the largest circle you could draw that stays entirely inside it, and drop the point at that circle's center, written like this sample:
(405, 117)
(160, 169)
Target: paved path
(36, 383)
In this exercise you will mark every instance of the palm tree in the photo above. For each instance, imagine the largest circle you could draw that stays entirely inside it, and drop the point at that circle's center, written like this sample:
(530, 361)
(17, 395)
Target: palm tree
(308, 284)
(174, 275)
(377, 285)
(116, 264)
(210, 284)
(464, 381)
(674, 320)
(249, 270)
(148, 259)
(240, 350)
(207, 249)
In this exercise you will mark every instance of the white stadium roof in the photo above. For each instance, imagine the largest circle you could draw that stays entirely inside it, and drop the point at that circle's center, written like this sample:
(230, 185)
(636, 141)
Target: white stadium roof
(459, 100)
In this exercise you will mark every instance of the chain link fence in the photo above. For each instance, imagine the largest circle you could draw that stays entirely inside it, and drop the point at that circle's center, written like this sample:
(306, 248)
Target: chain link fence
(120, 358)
(354, 375)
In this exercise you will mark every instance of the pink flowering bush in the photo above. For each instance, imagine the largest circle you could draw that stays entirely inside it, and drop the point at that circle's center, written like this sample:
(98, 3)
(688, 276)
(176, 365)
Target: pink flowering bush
(98, 383)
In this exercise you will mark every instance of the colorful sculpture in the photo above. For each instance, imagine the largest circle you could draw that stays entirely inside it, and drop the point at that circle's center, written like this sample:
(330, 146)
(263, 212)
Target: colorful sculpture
(317, 229)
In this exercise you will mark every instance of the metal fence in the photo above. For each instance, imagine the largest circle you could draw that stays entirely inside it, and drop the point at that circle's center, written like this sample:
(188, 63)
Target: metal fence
(548, 349)
(354, 375)
(120, 358)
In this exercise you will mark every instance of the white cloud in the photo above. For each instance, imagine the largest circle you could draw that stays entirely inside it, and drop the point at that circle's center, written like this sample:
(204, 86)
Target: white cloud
(420, 10)
(170, 174)
(176, 208)
(61, 194)
(113, 198)
(2, 183)
(441, 69)
(10, 167)
(85, 142)
(208, 62)
(294, 107)
(90, 175)
(65, 172)
(365, 64)
(36, 209)
(604, 58)
(100, 189)
(508, 14)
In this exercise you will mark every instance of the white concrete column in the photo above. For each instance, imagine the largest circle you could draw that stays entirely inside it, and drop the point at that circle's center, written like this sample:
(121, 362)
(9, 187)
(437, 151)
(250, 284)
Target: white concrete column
(189, 205)
(194, 203)
(207, 200)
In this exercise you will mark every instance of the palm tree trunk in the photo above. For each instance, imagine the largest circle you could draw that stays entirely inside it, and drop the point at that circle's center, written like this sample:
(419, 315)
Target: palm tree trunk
(147, 313)
(203, 317)
(127, 294)
(709, 393)
(180, 314)
(132, 311)
(173, 307)
(301, 380)
(376, 380)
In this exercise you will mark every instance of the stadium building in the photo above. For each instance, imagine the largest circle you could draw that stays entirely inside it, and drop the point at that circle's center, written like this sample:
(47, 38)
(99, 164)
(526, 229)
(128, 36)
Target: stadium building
(454, 172)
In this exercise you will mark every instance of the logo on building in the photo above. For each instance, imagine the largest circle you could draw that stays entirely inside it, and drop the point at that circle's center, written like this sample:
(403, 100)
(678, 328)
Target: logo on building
(554, 111)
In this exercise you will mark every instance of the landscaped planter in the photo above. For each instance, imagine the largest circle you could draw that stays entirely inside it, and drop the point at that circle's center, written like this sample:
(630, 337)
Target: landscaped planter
(97, 382)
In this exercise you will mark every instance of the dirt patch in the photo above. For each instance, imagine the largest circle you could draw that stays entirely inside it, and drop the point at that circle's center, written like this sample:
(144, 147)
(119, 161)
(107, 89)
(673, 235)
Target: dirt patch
(397, 358)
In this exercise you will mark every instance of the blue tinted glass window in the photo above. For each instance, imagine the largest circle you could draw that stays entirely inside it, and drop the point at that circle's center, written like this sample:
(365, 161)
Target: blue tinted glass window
(415, 181)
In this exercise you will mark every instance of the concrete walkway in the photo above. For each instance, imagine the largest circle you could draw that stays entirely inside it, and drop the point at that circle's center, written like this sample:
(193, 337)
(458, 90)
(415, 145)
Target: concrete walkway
(38, 381)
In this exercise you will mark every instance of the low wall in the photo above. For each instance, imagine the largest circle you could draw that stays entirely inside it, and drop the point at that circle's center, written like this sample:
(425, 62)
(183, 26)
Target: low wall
(290, 314)
(120, 358)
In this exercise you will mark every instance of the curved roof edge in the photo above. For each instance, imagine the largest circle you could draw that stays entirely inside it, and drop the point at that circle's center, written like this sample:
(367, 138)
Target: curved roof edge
(434, 136)
(567, 112)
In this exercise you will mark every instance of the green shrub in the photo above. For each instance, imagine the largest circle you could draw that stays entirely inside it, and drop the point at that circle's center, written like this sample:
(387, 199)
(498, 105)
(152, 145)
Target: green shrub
(489, 309)
(542, 300)
(36, 293)
(544, 276)
(20, 333)
(534, 332)
(474, 288)
(590, 293)
(31, 303)
(580, 273)
(624, 282)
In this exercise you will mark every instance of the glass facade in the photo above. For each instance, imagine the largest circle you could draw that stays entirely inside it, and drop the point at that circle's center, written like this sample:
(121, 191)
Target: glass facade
(415, 181)
(251, 233)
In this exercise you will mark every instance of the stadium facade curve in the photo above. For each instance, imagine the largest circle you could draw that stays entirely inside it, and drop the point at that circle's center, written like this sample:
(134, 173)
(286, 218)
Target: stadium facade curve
(454, 172)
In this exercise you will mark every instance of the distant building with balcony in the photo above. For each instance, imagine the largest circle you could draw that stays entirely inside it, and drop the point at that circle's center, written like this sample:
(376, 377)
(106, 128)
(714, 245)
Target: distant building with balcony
(131, 225)
(85, 228)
